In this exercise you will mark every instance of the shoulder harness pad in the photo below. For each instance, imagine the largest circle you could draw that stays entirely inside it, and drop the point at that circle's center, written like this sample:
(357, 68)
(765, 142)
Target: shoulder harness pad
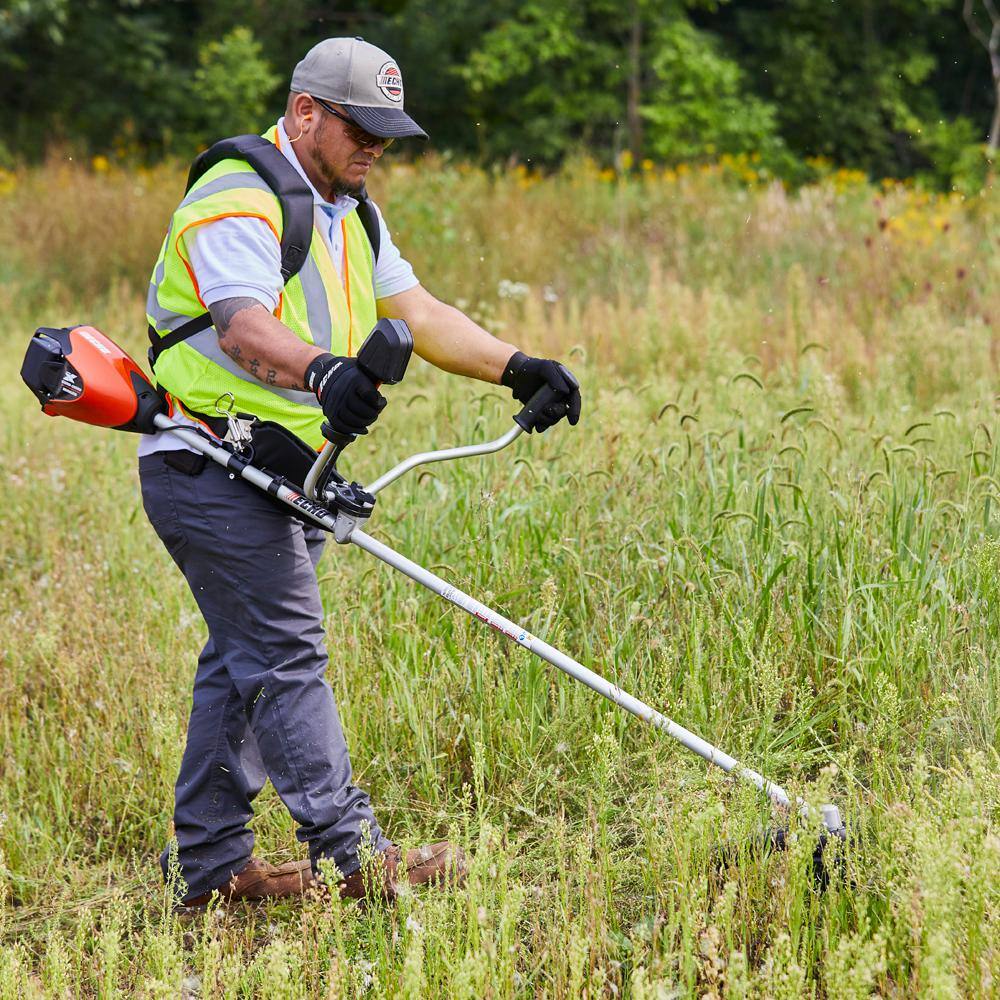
(282, 178)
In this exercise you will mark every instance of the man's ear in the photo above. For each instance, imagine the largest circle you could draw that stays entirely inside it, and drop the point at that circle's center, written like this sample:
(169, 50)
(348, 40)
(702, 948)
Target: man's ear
(300, 107)
(299, 113)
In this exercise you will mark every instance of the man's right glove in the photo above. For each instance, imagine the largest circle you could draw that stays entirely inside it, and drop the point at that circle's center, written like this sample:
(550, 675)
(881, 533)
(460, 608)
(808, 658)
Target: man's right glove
(350, 399)
(524, 376)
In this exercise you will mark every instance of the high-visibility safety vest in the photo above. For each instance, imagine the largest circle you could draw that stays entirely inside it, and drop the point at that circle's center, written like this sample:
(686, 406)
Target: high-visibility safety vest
(316, 305)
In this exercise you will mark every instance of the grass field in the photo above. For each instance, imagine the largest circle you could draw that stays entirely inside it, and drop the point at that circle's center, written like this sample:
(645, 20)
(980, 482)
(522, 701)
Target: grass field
(778, 522)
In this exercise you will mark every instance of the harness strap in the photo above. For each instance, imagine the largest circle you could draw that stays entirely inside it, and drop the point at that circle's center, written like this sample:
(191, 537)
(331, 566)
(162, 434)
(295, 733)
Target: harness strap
(158, 344)
(369, 220)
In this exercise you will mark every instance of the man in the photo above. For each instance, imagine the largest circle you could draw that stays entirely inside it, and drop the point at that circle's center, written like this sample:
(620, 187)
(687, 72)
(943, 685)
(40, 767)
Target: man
(261, 707)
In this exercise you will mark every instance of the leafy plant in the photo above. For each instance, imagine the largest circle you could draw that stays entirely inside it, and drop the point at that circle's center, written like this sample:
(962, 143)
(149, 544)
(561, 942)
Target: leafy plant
(231, 87)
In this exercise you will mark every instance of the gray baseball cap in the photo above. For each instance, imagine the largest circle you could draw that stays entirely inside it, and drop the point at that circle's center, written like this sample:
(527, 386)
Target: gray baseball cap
(361, 77)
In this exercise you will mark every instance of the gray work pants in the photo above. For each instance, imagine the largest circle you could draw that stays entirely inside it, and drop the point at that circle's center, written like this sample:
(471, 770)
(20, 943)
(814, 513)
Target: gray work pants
(261, 707)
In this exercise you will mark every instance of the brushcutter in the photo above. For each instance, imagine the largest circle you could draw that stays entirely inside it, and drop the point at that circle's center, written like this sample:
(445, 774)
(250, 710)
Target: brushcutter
(82, 374)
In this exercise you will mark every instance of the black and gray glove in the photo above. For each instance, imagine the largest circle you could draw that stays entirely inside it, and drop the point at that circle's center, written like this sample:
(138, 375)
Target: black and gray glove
(350, 399)
(524, 376)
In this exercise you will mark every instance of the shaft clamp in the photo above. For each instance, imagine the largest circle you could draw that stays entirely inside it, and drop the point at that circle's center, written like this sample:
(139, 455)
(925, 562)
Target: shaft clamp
(342, 497)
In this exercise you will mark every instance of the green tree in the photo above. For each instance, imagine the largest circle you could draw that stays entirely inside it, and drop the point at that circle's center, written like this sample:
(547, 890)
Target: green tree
(92, 72)
(699, 104)
(983, 20)
(547, 75)
(550, 74)
(232, 85)
(878, 84)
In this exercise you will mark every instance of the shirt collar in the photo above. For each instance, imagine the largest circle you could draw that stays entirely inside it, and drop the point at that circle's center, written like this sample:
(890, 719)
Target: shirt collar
(340, 206)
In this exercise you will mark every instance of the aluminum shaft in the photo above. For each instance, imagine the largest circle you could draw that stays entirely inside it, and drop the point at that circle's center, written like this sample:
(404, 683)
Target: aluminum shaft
(566, 664)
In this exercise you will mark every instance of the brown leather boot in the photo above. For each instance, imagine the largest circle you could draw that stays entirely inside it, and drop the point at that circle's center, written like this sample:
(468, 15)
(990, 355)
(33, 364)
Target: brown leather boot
(259, 880)
(441, 863)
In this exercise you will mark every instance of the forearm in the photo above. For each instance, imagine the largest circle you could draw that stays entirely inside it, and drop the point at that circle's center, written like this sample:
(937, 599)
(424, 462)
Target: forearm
(261, 344)
(447, 338)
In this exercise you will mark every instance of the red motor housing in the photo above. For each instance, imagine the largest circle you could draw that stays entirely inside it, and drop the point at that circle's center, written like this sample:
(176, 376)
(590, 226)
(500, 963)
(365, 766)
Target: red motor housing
(80, 373)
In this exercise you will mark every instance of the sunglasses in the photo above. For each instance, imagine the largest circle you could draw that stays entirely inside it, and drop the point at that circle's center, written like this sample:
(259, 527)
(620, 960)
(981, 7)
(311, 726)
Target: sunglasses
(354, 131)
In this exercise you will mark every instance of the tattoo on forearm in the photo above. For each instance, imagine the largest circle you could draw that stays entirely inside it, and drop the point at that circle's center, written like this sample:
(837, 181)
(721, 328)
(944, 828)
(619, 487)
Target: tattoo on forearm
(224, 312)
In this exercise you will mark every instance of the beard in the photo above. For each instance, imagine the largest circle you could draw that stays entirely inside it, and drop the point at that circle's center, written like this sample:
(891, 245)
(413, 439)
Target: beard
(341, 187)
(338, 184)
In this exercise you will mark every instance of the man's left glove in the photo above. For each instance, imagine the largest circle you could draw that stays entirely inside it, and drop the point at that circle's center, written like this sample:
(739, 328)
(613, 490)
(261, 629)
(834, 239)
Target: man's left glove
(524, 376)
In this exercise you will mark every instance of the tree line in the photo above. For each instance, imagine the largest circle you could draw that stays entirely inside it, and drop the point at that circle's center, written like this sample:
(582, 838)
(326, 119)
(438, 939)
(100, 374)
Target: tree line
(894, 87)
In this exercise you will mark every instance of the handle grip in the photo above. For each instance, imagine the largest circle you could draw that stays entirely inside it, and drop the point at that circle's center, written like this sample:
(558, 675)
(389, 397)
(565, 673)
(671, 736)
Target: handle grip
(383, 357)
(543, 397)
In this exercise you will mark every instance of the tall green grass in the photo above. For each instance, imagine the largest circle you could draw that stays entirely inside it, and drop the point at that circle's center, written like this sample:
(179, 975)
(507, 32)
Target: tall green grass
(777, 522)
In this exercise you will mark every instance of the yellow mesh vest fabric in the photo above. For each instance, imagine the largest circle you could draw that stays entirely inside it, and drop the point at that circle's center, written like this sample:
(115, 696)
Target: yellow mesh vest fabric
(316, 305)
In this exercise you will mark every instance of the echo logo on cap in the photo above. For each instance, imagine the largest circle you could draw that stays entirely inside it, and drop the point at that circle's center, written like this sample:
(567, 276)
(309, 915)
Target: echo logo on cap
(390, 81)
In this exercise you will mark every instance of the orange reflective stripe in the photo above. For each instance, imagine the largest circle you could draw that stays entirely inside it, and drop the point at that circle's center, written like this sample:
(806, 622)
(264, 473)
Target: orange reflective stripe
(215, 218)
(192, 416)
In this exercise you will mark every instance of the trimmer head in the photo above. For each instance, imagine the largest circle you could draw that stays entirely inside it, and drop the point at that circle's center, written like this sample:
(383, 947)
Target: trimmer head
(80, 373)
(826, 858)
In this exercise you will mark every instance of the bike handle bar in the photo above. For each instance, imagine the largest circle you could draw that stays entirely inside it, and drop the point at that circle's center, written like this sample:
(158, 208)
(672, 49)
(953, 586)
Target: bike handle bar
(524, 421)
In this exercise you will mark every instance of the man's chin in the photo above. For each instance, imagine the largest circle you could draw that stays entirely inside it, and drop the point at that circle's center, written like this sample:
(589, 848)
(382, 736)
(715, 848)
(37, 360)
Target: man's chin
(351, 190)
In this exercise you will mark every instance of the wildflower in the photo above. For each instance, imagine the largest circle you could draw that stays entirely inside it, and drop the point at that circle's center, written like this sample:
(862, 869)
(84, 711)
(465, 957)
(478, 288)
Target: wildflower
(507, 289)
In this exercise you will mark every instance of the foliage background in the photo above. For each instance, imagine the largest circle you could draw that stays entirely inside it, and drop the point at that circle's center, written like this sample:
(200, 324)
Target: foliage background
(893, 87)
(777, 521)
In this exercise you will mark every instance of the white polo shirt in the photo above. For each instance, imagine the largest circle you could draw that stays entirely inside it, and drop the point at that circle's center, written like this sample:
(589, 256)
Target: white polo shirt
(239, 257)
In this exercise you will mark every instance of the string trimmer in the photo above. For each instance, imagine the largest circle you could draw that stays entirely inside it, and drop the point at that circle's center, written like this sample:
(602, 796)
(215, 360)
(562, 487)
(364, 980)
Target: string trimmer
(82, 374)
